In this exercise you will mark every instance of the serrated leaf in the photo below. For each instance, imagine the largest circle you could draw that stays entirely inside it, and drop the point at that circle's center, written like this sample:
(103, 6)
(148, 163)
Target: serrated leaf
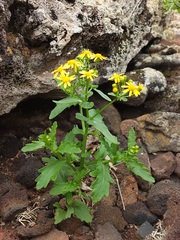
(100, 186)
(35, 145)
(81, 211)
(139, 169)
(63, 188)
(49, 172)
(69, 148)
(131, 138)
(60, 214)
(103, 95)
(62, 105)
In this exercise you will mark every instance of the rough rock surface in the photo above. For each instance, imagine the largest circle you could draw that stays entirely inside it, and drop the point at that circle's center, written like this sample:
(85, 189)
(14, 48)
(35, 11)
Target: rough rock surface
(53, 235)
(37, 35)
(107, 232)
(160, 131)
(177, 170)
(172, 217)
(163, 166)
(159, 194)
(13, 199)
(138, 213)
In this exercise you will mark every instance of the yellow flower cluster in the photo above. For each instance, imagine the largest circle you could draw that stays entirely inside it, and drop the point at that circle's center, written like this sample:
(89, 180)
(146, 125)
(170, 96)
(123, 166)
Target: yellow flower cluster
(77, 66)
(120, 82)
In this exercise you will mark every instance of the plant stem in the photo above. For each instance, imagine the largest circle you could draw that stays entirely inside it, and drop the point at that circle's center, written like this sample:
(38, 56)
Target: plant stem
(82, 122)
(106, 106)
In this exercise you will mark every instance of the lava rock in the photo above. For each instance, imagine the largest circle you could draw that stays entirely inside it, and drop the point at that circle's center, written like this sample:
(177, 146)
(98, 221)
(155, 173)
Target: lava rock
(110, 214)
(27, 174)
(159, 194)
(177, 170)
(163, 166)
(107, 232)
(44, 224)
(145, 229)
(53, 235)
(138, 213)
(172, 217)
(13, 199)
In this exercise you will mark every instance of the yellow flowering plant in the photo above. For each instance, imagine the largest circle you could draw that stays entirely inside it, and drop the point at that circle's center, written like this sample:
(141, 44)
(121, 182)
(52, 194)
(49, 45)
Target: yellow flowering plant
(71, 163)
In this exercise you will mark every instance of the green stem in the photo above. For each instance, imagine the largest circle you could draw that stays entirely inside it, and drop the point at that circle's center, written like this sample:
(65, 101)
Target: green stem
(82, 122)
(102, 109)
(86, 129)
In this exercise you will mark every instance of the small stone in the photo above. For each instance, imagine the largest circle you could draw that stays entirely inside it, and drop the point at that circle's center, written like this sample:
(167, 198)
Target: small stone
(105, 213)
(172, 217)
(159, 194)
(163, 166)
(111, 199)
(13, 199)
(129, 190)
(145, 229)
(44, 224)
(138, 213)
(9, 145)
(177, 169)
(83, 233)
(107, 232)
(27, 174)
(53, 235)
(69, 225)
(126, 125)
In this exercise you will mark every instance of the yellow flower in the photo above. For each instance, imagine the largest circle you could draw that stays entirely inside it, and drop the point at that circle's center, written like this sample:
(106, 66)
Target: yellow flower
(75, 64)
(115, 90)
(98, 56)
(59, 70)
(131, 88)
(141, 87)
(65, 79)
(89, 75)
(86, 53)
(116, 77)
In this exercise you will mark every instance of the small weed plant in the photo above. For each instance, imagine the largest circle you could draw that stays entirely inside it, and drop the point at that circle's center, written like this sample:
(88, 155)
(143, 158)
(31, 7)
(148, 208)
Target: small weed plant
(170, 5)
(71, 163)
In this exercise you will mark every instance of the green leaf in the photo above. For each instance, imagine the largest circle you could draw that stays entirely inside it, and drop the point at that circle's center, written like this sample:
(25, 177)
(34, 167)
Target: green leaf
(35, 145)
(139, 169)
(100, 186)
(81, 211)
(68, 147)
(98, 123)
(60, 214)
(131, 138)
(87, 105)
(102, 95)
(49, 172)
(63, 104)
(63, 188)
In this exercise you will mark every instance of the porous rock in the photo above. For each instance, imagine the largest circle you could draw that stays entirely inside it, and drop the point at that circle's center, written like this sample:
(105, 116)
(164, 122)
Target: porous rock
(160, 131)
(177, 169)
(37, 36)
(13, 199)
(53, 235)
(107, 232)
(163, 166)
(159, 194)
(172, 217)
(138, 213)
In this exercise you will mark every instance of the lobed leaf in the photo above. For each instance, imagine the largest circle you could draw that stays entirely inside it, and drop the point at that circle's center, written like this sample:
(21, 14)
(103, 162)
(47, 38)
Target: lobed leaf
(100, 186)
(49, 172)
(81, 211)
